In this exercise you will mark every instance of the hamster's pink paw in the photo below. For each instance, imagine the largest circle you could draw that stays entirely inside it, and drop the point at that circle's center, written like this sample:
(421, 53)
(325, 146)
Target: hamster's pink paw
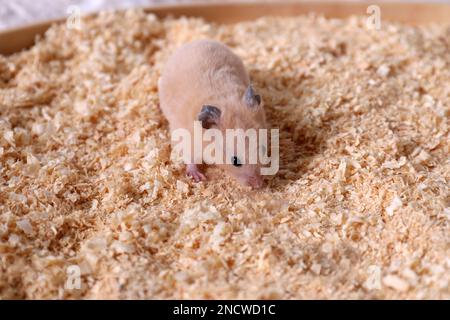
(193, 172)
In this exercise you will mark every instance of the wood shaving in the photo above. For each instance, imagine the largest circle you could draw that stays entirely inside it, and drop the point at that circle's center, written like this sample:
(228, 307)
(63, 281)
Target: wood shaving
(87, 177)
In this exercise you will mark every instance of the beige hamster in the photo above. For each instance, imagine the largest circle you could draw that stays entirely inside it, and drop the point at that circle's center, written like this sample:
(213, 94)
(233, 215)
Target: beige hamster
(205, 81)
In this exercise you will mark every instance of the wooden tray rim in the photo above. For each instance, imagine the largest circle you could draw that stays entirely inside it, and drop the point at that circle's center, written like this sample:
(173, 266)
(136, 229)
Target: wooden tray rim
(16, 39)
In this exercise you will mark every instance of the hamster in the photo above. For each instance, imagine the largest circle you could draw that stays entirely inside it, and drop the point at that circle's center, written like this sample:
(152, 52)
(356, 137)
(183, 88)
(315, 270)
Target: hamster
(205, 81)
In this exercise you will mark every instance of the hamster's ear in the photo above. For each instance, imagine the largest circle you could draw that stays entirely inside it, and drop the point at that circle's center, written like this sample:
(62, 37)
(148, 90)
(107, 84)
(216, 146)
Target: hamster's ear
(251, 99)
(209, 116)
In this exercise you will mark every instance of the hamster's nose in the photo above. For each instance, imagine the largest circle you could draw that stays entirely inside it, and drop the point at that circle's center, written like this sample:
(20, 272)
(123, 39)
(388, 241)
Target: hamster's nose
(255, 182)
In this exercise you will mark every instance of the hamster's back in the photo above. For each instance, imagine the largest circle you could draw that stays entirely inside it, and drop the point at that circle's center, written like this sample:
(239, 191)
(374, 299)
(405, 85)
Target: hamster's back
(197, 73)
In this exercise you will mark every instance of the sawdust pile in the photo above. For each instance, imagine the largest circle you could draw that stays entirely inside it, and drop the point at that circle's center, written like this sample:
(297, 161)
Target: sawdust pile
(359, 209)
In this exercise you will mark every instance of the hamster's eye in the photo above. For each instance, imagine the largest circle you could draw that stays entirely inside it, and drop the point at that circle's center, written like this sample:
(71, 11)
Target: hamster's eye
(236, 162)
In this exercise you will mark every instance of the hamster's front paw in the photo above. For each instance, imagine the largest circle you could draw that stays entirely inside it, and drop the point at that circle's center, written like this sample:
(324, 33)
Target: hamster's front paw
(193, 172)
